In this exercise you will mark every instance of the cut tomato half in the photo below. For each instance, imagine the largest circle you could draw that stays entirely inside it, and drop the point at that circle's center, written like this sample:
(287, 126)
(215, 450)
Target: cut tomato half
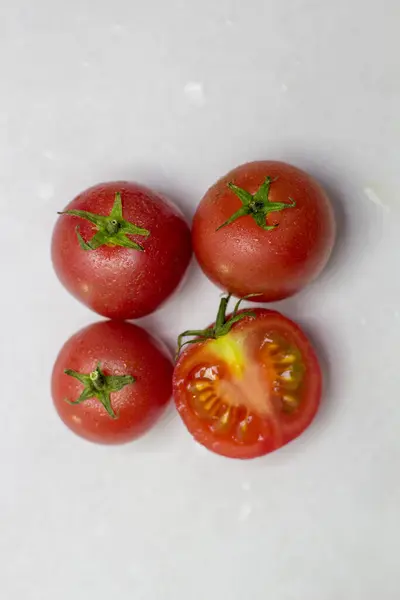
(251, 390)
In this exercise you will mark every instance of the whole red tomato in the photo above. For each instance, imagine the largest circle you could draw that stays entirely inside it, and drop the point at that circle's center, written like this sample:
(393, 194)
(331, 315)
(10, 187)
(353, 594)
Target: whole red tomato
(267, 228)
(111, 381)
(121, 249)
(248, 384)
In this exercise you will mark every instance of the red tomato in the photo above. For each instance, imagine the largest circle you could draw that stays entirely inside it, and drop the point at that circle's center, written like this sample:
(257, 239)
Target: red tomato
(117, 383)
(127, 255)
(279, 234)
(250, 390)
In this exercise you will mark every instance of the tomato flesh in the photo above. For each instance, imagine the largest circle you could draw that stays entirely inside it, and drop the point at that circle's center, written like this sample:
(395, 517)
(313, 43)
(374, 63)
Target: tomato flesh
(250, 391)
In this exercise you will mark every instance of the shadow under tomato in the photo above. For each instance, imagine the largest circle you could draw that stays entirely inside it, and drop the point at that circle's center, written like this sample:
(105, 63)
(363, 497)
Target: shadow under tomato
(345, 237)
(328, 350)
(354, 225)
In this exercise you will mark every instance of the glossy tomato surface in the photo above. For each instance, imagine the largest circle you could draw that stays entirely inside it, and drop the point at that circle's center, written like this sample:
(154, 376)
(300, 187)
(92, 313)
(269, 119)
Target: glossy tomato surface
(251, 391)
(120, 349)
(241, 257)
(119, 282)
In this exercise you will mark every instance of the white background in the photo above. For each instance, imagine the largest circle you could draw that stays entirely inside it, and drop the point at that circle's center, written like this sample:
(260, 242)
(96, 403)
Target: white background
(174, 94)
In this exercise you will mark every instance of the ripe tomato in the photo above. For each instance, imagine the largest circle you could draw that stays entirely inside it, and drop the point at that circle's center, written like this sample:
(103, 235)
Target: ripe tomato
(265, 227)
(121, 249)
(248, 384)
(111, 381)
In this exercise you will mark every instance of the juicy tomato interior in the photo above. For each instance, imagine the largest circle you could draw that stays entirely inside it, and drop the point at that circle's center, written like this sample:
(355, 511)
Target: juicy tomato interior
(252, 390)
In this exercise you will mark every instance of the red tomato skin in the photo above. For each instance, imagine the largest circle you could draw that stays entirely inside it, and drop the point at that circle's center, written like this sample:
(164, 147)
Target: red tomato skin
(314, 390)
(116, 282)
(122, 349)
(244, 259)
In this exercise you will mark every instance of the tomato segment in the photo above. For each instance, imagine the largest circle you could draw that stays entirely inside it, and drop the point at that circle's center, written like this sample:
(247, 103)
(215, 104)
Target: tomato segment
(252, 390)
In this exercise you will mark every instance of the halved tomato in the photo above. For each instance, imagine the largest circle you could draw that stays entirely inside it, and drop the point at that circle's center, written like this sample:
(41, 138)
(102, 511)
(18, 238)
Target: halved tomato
(248, 384)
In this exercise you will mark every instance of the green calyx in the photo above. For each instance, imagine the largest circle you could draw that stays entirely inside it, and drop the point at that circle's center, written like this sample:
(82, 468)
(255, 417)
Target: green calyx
(257, 205)
(100, 386)
(222, 324)
(111, 231)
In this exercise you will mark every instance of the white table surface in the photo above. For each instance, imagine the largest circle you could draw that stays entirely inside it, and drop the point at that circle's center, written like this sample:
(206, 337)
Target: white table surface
(174, 94)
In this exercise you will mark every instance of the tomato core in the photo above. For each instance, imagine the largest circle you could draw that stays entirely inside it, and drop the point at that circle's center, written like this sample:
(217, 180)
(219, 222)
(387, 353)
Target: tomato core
(234, 390)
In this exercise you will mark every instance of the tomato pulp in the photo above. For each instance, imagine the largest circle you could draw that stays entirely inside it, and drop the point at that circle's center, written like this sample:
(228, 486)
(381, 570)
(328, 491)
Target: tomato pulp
(253, 389)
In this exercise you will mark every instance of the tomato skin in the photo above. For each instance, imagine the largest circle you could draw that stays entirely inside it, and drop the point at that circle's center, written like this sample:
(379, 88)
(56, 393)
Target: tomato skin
(122, 349)
(285, 428)
(117, 282)
(242, 258)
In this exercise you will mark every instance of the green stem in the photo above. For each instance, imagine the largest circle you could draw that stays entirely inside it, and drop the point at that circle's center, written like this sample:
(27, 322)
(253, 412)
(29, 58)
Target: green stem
(97, 378)
(111, 230)
(257, 206)
(222, 324)
(221, 315)
(98, 385)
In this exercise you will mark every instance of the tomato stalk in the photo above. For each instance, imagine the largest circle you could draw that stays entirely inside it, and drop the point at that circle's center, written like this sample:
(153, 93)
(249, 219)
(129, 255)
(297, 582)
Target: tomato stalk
(222, 324)
(112, 230)
(257, 205)
(100, 386)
